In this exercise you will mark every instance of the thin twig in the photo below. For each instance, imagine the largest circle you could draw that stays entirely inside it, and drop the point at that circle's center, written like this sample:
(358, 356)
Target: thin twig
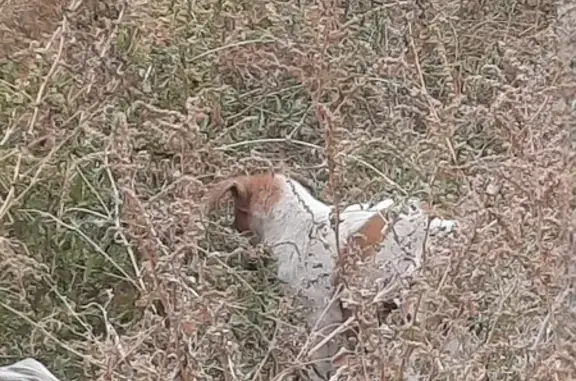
(40, 94)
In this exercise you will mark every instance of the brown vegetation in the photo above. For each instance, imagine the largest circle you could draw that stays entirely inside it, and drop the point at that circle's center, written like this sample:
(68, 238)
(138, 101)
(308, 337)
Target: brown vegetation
(118, 116)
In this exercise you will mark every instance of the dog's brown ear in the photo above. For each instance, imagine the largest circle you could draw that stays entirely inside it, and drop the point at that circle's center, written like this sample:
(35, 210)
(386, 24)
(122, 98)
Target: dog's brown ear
(237, 188)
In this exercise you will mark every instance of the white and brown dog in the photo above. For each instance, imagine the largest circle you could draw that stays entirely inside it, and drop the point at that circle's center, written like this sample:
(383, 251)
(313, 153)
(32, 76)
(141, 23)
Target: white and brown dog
(374, 250)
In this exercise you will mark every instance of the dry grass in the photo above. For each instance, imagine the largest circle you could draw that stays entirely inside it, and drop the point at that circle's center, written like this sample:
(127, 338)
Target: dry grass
(117, 116)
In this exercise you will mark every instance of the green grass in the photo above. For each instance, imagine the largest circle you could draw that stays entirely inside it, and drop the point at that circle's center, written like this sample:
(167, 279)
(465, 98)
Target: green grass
(113, 131)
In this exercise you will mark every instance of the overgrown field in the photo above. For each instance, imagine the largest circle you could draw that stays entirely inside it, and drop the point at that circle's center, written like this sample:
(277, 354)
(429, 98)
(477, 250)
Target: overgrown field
(117, 116)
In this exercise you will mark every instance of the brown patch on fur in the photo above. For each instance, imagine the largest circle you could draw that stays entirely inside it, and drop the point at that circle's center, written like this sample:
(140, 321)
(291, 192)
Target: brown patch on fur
(361, 245)
(370, 234)
(255, 193)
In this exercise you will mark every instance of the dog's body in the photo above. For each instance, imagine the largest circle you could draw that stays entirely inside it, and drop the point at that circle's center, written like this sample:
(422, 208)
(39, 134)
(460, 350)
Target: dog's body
(374, 252)
(27, 369)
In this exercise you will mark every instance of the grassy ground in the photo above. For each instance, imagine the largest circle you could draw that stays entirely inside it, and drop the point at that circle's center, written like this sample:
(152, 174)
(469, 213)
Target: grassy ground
(117, 116)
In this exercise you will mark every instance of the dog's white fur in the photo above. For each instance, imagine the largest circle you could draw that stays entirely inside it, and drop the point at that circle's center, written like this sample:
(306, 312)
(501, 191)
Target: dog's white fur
(297, 228)
(28, 369)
